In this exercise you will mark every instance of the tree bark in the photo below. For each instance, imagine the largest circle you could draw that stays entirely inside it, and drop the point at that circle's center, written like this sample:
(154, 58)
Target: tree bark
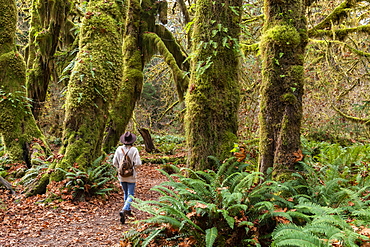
(149, 145)
(94, 82)
(132, 81)
(17, 125)
(47, 21)
(282, 46)
(7, 185)
(142, 39)
(213, 96)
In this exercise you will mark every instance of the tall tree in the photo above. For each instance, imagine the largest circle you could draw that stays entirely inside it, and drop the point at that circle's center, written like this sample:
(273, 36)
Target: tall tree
(94, 80)
(282, 47)
(142, 39)
(212, 99)
(17, 125)
(48, 20)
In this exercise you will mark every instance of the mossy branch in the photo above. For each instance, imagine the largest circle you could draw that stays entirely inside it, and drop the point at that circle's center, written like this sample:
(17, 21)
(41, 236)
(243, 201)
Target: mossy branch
(365, 121)
(338, 12)
(247, 49)
(351, 48)
(259, 17)
(341, 33)
(173, 46)
(181, 79)
(167, 110)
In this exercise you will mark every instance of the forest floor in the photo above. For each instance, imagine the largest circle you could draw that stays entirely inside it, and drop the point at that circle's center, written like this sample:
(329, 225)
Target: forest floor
(30, 222)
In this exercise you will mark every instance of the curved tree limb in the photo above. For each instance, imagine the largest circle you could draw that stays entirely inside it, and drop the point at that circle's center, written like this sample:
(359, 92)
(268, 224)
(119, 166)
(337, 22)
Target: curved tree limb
(365, 121)
(351, 48)
(343, 32)
(184, 11)
(339, 11)
(181, 79)
(173, 46)
(167, 110)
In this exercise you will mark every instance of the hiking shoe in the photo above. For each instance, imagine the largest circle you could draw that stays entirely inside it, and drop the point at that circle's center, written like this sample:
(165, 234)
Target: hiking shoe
(128, 213)
(122, 217)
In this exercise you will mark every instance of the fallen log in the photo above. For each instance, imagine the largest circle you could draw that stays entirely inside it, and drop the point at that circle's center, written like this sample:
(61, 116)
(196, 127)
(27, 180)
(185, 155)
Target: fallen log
(7, 185)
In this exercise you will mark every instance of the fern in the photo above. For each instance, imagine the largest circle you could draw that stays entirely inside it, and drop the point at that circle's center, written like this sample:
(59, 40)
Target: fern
(33, 172)
(211, 235)
(151, 236)
(293, 235)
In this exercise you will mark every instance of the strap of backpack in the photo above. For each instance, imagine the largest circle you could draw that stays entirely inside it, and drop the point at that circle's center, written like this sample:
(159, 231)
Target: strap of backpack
(125, 153)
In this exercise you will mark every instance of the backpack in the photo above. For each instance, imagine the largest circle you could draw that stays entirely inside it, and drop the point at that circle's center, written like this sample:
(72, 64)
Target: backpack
(125, 166)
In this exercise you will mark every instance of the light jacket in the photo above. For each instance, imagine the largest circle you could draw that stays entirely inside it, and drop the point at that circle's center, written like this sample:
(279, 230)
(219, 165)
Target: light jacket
(133, 154)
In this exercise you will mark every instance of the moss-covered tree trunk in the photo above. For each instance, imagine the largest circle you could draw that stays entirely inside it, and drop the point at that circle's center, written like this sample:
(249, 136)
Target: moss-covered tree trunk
(213, 96)
(48, 17)
(93, 83)
(283, 44)
(129, 92)
(142, 39)
(17, 125)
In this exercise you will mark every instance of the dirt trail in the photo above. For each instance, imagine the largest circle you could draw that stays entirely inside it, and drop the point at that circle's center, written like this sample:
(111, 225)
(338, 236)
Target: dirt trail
(24, 222)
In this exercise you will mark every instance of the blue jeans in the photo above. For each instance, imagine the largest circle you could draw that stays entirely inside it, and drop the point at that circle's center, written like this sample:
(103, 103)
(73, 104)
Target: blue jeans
(128, 191)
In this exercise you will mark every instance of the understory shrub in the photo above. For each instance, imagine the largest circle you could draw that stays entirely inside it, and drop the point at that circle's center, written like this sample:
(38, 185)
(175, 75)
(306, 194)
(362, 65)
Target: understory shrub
(89, 182)
(325, 203)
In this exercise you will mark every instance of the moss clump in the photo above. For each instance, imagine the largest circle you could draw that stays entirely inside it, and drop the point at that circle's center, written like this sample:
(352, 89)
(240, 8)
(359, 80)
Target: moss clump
(284, 35)
(8, 19)
(289, 98)
(296, 72)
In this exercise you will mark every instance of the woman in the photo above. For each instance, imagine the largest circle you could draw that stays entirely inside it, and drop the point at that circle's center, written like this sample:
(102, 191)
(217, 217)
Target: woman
(127, 183)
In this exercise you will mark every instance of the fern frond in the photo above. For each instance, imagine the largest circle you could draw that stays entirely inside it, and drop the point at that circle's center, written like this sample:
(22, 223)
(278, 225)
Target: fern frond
(293, 235)
(211, 235)
(200, 188)
(208, 176)
(315, 209)
(247, 182)
(363, 214)
(164, 190)
(151, 236)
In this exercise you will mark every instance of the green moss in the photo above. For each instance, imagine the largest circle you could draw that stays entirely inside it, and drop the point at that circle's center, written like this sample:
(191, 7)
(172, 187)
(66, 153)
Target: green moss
(212, 100)
(284, 35)
(8, 19)
(180, 78)
(95, 78)
(289, 98)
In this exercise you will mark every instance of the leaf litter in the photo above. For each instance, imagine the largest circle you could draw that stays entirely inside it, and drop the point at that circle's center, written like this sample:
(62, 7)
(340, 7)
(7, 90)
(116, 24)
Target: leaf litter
(95, 222)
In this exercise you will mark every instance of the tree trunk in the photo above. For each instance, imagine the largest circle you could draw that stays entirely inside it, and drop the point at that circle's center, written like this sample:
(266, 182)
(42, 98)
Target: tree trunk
(283, 45)
(149, 145)
(17, 124)
(131, 85)
(47, 20)
(213, 95)
(94, 82)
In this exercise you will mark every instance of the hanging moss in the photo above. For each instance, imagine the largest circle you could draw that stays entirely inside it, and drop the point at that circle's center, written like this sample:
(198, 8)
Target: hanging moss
(17, 126)
(94, 80)
(47, 21)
